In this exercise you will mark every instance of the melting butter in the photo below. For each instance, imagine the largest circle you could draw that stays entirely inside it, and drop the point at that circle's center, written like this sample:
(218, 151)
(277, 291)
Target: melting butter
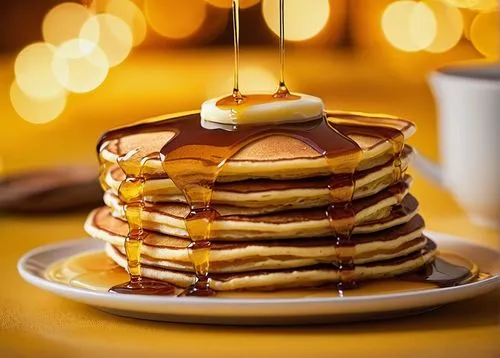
(262, 109)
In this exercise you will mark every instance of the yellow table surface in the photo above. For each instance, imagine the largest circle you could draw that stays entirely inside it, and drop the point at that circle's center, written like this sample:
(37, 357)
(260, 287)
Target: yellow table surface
(37, 323)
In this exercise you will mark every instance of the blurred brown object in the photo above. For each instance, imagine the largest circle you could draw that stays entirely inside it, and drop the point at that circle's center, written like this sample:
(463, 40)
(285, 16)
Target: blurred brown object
(50, 190)
(29, 13)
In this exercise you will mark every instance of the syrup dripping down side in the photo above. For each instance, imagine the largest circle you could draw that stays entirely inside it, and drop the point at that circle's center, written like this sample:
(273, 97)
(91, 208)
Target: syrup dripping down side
(194, 161)
(96, 271)
(131, 194)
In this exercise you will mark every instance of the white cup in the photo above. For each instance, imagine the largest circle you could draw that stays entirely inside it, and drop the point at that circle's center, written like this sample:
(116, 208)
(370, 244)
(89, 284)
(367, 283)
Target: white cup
(468, 103)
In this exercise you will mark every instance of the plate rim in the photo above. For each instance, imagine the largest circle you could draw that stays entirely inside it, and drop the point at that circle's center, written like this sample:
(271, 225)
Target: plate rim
(60, 288)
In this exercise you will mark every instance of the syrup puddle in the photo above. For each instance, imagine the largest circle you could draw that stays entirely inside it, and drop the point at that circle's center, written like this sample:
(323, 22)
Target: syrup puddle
(97, 272)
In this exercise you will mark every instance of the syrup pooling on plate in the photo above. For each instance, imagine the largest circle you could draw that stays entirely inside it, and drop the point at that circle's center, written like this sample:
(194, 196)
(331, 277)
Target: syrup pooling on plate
(96, 271)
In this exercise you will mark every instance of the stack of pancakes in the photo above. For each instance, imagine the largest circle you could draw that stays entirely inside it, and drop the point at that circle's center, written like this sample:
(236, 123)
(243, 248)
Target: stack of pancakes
(272, 231)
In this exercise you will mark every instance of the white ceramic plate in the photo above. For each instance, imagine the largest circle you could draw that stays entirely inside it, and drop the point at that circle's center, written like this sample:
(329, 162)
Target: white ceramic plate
(263, 311)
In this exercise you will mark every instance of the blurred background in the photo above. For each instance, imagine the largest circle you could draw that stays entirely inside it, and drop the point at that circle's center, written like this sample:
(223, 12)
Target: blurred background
(71, 70)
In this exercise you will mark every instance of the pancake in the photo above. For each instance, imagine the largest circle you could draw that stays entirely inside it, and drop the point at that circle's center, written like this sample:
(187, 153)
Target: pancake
(272, 157)
(277, 194)
(372, 214)
(278, 199)
(171, 252)
(308, 276)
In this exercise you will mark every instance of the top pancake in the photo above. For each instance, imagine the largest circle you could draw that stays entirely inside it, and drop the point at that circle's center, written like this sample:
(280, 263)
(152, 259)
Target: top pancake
(273, 157)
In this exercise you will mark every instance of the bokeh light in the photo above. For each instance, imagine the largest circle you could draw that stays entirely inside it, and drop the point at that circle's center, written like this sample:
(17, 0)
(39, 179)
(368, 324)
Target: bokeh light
(484, 34)
(35, 110)
(486, 5)
(64, 22)
(479, 5)
(111, 34)
(98, 6)
(395, 20)
(423, 25)
(303, 20)
(227, 4)
(33, 69)
(175, 19)
(132, 15)
(80, 65)
(409, 26)
(449, 23)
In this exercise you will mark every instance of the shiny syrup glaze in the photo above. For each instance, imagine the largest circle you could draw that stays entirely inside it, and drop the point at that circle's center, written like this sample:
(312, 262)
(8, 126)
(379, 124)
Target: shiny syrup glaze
(193, 158)
(96, 271)
(193, 161)
(131, 194)
(247, 101)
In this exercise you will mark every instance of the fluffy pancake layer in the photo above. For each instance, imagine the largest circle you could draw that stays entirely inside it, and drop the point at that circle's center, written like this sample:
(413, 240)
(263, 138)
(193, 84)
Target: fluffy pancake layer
(274, 157)
(266, 194)
(272, 197)
(307, 276)
(171, 252)
(372, 214)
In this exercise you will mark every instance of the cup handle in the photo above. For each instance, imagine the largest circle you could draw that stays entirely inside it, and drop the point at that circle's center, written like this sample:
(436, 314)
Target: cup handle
(428, 168)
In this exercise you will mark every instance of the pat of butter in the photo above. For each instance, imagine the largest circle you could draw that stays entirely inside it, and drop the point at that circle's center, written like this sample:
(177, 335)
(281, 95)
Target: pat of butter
(262, 109)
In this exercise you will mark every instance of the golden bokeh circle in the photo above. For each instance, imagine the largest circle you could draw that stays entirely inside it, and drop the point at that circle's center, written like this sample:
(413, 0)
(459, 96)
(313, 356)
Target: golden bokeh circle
(303, 20)
(64, 22)
(35, 110)
(484, 34)
(450, 26)
(422, 25)
(175, 19)
(129, 12)
(80, 66)
(478, 5)
(409, 26)
(111, 34)
(33, 69)
(98, 6)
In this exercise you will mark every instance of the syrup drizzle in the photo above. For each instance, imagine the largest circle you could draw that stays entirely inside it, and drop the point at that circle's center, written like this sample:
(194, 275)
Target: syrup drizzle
(282, 88)
(194, 161)
(237, 100)
(237, 97)
(96, 271)
(131, 193)
(194, 157)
